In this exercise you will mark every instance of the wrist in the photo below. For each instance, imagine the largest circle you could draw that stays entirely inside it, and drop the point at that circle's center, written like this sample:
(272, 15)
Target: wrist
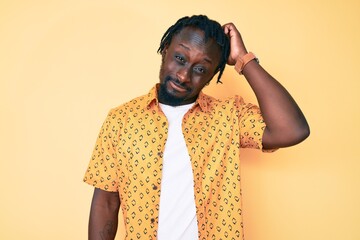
(244, 59)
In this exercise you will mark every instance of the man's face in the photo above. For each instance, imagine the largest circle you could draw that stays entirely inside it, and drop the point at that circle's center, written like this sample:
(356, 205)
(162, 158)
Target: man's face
(188, 64)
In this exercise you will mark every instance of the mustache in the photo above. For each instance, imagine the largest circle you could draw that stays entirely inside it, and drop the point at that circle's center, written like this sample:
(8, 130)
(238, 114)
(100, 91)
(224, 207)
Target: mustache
(177, 82)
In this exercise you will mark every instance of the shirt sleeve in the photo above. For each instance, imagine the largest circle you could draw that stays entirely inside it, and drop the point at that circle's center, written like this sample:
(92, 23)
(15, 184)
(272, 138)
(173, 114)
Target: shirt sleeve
(102, 169)
(252, 126)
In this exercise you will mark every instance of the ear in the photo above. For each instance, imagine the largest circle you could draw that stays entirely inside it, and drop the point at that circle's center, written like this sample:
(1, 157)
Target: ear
(164, 51)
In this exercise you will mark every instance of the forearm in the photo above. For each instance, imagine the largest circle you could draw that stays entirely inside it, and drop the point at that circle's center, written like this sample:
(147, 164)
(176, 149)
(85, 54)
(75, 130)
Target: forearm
(285, 122)
(104, 212)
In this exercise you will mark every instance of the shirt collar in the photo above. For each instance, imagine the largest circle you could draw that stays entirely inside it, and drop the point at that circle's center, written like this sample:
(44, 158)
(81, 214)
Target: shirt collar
(152, 98)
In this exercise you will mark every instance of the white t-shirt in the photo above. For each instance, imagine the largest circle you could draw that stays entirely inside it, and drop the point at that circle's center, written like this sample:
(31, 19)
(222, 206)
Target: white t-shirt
(177, 214)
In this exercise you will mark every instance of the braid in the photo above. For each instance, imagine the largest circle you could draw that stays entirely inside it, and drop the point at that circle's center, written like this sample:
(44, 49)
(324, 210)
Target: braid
(211, 29)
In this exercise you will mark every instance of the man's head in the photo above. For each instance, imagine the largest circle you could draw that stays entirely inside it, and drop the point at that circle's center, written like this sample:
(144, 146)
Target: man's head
(193, 50)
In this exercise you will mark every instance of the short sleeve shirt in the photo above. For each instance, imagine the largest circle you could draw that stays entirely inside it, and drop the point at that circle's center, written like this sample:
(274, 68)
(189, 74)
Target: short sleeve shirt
(128, 156)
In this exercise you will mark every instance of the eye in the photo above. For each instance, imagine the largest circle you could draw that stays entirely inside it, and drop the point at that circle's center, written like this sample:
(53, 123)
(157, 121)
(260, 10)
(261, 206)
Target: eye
(180, 58)
(200, 69)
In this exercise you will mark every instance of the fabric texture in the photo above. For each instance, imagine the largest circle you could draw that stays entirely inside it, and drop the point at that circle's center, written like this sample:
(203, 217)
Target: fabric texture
(128, 158)
(177, 213)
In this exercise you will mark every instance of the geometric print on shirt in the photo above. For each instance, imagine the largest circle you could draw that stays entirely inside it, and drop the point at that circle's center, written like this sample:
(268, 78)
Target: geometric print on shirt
(128, 156)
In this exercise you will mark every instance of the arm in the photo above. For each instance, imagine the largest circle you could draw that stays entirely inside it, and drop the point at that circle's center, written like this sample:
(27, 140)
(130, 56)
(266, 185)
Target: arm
(104, 215)
(285, 123)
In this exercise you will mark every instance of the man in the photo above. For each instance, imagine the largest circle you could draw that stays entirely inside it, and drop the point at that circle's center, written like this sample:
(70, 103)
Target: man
(171, 158)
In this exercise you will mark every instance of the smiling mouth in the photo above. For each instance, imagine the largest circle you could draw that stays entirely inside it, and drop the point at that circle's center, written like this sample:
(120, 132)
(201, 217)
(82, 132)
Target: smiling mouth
(177, 87)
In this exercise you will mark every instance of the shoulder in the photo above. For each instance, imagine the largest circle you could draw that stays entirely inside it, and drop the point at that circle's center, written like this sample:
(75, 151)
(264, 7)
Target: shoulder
(131, 105)
(235, 101)
(119, 115)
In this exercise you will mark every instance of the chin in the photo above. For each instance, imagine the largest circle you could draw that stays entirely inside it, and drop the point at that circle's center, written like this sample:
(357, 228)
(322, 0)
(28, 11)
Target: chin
(166, 97)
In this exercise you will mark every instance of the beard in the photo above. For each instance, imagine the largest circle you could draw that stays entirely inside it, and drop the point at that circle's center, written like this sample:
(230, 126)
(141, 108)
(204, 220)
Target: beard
(167, 97)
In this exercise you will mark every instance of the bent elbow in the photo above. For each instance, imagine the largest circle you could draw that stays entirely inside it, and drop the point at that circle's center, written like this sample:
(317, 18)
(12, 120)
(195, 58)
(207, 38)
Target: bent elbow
(303, 133)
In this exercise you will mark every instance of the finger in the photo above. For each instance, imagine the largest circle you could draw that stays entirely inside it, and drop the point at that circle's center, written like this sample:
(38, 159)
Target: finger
(227, 28)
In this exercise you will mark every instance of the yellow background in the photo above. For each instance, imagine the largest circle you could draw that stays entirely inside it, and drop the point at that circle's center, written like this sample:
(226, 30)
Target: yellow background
(64, 64)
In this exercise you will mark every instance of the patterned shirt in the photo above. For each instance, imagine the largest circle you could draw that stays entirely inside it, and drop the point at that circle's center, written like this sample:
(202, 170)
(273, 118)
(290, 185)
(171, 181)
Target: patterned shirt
(128, 159)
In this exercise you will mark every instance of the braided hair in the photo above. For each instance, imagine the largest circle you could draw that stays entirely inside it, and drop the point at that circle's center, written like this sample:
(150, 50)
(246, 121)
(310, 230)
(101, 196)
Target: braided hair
(211, 29)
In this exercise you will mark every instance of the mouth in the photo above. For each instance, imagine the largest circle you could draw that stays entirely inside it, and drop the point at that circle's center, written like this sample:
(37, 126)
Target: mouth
(177, 86)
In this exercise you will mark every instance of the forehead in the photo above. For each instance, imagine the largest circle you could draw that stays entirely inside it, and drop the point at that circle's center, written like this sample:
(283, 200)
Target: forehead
(194, 39)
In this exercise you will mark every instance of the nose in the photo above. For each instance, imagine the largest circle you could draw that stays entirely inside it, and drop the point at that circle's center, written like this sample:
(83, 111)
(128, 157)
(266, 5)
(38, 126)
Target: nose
(183, 74)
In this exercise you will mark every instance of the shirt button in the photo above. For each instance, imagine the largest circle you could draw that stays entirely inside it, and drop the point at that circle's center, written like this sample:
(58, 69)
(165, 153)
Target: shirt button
(159, 154)
(164, 124)
(152, 220)
(154, 187)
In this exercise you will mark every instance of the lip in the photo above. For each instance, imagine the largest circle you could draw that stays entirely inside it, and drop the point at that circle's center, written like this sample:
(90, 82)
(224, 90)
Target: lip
(177, 87)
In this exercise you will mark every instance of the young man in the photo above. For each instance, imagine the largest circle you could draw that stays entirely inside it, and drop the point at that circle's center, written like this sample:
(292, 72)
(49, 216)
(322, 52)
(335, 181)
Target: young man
(171, 158)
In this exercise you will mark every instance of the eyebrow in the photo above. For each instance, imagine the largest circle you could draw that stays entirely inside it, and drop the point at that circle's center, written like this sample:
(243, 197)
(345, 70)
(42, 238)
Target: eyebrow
(188, 49)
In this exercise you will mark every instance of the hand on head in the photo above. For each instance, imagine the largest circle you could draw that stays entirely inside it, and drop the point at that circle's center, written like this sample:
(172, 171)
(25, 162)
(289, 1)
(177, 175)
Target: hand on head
(237, 46)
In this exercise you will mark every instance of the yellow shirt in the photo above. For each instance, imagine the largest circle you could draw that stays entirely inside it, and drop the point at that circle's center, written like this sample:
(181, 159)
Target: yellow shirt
(128, 158)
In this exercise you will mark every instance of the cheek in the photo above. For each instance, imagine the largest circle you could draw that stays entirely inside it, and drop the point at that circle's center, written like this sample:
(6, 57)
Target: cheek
(168, 67)
(199, 82)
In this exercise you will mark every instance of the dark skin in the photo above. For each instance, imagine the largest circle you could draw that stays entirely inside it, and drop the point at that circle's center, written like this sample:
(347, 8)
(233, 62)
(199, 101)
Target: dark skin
(285, 123)
(104, 213)
(188, 64)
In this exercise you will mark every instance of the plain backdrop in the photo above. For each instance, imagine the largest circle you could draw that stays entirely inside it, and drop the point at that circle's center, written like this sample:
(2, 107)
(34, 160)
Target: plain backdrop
(64, 64)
